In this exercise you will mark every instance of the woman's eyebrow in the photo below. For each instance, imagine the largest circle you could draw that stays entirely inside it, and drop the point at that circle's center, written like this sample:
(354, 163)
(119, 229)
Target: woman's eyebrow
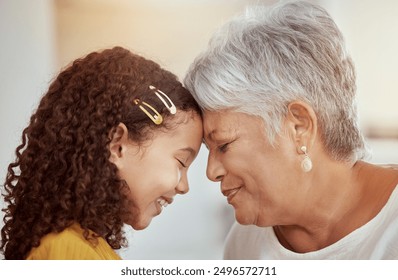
(211, 134)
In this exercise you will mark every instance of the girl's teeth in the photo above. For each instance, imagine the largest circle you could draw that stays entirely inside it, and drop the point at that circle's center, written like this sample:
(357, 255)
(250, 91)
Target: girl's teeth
(163, 202)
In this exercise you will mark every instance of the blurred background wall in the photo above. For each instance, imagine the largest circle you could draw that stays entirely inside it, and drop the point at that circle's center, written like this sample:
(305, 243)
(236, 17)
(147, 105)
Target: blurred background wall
(38, 38)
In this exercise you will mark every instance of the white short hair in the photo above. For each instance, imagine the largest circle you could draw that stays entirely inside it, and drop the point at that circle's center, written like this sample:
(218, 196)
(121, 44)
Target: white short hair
(261, 61)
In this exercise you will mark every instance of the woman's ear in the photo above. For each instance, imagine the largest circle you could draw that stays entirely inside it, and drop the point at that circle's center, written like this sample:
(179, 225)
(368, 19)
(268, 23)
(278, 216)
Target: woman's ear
(302, 123)
(119, 139)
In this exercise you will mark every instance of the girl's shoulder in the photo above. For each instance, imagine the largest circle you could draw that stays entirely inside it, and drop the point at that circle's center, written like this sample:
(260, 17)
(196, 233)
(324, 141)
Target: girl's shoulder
(70, 244)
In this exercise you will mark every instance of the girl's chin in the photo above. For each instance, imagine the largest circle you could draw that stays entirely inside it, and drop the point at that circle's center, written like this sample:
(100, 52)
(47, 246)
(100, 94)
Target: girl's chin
(143, 220)
(141, 224)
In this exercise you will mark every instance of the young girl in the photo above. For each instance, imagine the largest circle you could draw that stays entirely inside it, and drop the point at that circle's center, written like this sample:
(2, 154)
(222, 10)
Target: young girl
(110, 143)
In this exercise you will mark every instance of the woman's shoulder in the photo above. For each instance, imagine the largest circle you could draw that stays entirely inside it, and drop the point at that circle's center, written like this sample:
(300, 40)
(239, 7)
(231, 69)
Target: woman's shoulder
(71, 244)
(391, 166)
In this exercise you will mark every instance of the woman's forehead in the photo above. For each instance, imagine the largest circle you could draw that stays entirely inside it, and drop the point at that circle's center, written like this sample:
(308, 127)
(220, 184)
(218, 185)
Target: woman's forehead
(227, 122)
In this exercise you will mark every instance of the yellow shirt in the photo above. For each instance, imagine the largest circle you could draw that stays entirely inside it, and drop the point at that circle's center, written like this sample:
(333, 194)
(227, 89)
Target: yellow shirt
(70, 244)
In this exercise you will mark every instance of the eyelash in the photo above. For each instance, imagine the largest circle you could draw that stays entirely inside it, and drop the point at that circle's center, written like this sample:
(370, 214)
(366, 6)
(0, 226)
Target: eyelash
(223, 148)
(182, 164)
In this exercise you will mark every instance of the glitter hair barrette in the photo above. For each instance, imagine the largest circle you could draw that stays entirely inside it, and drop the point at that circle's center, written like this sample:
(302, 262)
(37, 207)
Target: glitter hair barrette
(151, 112)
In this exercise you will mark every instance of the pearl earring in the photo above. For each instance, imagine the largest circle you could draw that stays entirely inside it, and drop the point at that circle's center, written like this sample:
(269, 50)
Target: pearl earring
(306, 163)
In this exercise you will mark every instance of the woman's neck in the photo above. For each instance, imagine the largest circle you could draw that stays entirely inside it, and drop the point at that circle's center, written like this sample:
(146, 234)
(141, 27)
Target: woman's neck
(341, 199)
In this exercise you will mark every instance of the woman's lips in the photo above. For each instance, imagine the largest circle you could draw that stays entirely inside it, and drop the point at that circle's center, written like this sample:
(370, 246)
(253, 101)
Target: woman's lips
(230, 194)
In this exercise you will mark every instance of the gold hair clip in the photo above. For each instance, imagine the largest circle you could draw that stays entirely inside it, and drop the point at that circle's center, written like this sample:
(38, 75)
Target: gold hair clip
(155, 117)
(171, 107)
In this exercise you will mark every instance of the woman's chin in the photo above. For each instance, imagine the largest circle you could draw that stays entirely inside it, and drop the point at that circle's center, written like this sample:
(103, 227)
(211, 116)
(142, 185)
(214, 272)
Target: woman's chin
(243, 218)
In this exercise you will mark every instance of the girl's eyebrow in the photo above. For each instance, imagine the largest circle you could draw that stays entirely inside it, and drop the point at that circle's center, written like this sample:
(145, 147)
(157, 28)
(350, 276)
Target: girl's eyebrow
(191, 151)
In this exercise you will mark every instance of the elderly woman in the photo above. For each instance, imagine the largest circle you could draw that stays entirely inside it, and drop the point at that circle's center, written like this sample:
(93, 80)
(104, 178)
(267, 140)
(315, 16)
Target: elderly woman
(277, 89)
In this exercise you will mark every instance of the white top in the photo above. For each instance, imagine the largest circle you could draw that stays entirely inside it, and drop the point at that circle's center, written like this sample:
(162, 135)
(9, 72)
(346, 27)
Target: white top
(377, 239)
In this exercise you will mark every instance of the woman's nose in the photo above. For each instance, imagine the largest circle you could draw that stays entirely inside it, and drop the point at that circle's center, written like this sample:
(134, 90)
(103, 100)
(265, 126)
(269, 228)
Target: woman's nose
(215, 170)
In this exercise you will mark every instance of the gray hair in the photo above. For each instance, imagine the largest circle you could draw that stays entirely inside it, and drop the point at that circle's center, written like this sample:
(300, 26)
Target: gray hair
(261, 61)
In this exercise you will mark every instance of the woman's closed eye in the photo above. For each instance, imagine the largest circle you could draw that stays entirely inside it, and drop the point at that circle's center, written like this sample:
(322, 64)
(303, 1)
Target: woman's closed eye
(223, 148)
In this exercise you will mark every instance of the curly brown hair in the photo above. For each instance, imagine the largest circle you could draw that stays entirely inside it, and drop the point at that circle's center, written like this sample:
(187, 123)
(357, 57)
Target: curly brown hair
(62, 173)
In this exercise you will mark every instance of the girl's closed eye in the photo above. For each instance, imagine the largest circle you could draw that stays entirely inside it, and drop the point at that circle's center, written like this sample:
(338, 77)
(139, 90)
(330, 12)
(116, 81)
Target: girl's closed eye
(183, 165)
